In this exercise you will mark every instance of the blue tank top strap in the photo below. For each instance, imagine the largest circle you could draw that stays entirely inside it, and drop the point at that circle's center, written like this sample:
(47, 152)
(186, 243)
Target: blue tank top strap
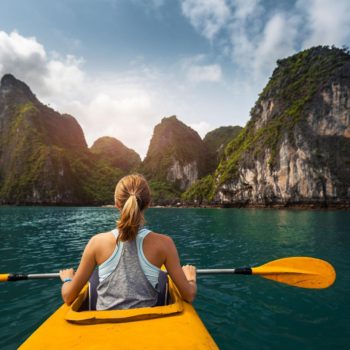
(151, 271)
(143, 232)
(106, 268)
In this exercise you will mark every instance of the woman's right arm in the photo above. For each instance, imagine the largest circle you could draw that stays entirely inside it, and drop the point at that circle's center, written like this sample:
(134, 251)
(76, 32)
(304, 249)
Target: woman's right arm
(70, 290)
(184, 278)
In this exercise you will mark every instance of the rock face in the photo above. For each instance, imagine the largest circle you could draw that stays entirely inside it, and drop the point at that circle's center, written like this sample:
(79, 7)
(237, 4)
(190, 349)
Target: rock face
(44, 158)
(296, 147)
(117, 154)
(176, 154)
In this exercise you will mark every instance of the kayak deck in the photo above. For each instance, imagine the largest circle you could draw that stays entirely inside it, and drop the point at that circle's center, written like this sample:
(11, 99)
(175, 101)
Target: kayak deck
(174, 326)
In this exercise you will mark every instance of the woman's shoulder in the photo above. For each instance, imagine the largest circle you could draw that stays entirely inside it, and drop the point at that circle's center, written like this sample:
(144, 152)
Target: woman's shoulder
(102, 238)
(160, 238)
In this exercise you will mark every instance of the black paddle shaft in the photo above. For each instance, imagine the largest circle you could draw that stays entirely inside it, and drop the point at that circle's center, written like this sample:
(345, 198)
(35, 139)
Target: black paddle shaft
(12, 277)
(237, 271)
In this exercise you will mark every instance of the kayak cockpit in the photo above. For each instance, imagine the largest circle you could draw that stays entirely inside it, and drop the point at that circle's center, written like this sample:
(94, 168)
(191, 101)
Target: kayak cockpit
(80, 313)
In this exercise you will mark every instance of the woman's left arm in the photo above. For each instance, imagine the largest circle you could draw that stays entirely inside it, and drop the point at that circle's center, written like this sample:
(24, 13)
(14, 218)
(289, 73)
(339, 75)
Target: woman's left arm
(71, 289)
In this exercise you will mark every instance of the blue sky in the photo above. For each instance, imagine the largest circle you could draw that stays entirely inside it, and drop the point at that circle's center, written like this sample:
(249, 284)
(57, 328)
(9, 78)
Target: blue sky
(119, 66)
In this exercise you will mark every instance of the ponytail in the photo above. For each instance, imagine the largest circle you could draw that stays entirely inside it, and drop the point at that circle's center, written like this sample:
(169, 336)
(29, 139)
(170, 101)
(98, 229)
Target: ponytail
(132, 196)
(130, 220)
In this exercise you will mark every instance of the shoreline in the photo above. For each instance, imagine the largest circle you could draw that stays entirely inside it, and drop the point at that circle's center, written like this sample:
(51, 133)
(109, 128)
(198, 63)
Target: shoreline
(181, 205)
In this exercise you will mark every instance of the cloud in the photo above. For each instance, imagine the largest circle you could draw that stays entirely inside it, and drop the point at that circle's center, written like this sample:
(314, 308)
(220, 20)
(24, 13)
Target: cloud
(208, 73)
(126, 105)
(278, 40)
(207, 16)
(48, 75)
(326, 22)
(23, 57)
(254, 34)
(120, 105)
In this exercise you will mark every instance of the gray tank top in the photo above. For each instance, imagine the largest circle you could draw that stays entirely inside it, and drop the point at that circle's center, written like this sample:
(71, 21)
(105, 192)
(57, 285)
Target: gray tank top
(127, 286)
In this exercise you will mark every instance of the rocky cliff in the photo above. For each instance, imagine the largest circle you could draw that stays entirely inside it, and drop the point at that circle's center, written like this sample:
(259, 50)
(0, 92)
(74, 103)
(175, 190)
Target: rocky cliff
(44, 158)
(296, 147)
(176, 156)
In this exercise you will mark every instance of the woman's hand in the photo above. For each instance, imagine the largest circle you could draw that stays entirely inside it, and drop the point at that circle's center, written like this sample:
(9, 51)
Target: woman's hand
(66, 273)
(190, 272)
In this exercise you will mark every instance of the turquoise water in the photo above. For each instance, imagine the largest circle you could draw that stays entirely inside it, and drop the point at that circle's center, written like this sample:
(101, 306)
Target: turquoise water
(241, 312)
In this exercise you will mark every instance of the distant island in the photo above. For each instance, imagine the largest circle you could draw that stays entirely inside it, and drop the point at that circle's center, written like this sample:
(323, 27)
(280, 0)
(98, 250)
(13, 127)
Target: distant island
(293, 152)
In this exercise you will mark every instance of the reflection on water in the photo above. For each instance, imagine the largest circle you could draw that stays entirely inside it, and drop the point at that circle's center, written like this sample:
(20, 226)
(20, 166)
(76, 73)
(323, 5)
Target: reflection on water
(241, 312)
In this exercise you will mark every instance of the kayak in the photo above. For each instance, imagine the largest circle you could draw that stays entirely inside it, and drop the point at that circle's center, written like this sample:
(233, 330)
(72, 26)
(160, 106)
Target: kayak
(173, 326)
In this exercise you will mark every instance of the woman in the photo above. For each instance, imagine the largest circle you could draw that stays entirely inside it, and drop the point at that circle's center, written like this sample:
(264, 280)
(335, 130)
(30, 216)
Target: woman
(129, 258)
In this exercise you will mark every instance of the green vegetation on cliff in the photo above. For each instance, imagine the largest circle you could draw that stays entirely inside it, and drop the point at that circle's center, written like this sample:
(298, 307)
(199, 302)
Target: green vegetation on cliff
(163, 193)
(291, 89)
(43, 155)
(115, 153)
(201, 190)
(216, 142)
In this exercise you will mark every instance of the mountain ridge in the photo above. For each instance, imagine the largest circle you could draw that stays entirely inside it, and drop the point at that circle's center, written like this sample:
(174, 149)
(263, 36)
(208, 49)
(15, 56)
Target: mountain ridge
(284, 155)
(294, 150)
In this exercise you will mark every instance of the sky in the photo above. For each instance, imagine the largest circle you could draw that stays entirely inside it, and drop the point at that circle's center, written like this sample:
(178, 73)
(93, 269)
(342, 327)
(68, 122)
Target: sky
(120, 66)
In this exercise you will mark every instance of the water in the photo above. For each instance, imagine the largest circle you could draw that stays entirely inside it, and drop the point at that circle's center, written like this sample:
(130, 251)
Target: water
(241, 312)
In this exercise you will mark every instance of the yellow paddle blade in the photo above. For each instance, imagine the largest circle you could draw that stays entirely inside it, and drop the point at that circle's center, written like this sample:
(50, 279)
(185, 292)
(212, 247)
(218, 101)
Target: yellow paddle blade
(4, 277)
(301, 272)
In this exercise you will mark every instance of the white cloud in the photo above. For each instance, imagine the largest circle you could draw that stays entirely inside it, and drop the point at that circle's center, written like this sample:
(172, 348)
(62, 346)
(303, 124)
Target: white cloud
(326, 22)
(123, 105)
(207, 16)
(23, 57)
(254, 35)
(244, 8)
(48, 75)
(278, 40)
(204, 73)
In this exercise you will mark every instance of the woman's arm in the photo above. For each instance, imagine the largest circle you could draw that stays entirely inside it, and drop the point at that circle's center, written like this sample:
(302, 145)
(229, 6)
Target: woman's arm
(184, 278)
(70, 290)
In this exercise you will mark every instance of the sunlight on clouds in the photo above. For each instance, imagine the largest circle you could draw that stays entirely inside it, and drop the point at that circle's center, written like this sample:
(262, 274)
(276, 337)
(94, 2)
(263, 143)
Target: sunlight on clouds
(122, 106)
(64, 76)
(129, 119)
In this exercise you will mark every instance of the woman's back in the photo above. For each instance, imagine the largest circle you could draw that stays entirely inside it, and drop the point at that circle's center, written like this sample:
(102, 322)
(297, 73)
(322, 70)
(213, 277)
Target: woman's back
(154, 247)
(127, 280)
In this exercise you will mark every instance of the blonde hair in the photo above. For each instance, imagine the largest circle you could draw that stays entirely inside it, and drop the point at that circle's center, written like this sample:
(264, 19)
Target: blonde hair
(132, 196)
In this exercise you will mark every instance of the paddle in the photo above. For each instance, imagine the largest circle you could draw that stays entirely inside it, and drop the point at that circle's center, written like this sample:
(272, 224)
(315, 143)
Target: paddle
(301, 272)
(12, 277)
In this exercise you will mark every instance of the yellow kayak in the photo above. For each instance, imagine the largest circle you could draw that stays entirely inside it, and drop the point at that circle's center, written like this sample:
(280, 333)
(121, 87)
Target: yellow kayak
(174, 326)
